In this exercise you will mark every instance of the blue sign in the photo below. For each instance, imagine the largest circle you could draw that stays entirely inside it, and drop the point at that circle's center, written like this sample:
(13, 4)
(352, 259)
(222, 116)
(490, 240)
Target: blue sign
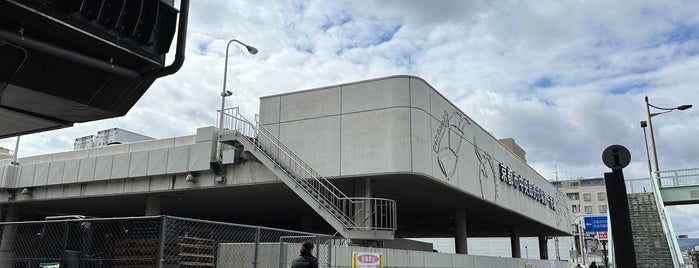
(596, 224)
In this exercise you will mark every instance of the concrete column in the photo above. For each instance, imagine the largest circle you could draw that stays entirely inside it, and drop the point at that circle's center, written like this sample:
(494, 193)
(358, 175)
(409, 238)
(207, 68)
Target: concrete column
(362, 188)
(514, 242)
(460, 237)
(543, 247)
(153, 205)
(7, 242)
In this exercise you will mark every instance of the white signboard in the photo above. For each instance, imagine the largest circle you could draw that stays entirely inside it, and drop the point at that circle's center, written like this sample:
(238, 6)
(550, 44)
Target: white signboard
(367, 260)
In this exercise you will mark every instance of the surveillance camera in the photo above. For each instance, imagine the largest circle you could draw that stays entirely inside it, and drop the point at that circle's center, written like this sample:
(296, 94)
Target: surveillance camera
(226, 93)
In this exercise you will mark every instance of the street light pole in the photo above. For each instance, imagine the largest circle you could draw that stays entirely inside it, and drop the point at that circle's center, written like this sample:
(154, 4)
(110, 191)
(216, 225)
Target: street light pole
(225, 93)
(644, 124)
(652, 136)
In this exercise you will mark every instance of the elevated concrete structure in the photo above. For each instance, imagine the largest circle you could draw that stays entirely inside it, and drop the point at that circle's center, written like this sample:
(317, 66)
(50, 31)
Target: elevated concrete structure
(393, 137)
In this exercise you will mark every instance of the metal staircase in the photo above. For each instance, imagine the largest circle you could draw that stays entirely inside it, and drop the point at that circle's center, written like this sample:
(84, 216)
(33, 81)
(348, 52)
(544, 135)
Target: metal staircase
(353, 217)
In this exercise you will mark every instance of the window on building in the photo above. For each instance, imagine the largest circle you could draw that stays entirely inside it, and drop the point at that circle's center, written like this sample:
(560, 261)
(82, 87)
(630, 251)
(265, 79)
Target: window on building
(574, 184)
(576, 208)
(601, 196)
(587, 197)
(573, 196)
(588, 209)
(602, 208)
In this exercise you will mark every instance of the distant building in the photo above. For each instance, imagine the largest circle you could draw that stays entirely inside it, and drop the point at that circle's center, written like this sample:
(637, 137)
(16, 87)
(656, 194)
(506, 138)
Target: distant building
(5, 153)
(588, 196)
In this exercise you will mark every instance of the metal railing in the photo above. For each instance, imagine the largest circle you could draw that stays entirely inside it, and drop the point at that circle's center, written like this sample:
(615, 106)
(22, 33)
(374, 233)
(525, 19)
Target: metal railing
(159, 241)
(668, 179)
(358, 213)
(680, 177)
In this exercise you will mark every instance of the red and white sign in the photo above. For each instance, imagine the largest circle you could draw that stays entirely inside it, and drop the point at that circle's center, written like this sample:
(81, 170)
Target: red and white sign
(601, 235)
(366, 260)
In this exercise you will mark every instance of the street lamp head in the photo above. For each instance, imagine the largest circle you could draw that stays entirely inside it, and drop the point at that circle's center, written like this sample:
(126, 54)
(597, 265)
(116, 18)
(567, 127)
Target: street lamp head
(251, 49)
(684, 107)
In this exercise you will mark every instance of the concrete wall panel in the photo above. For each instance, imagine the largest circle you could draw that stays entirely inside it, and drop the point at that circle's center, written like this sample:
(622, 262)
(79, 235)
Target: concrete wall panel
(151, 145)
(2, 176)
(71, 190)
(160, 183)
(177, 159)
(108, 150)
(87, 169)
(114, 187)
(308, 104)
(56, 170)
(419, 94)
(376, 141)
(77, 154)
(321, 133)
(377, 94)
(139, 164)
(185, 140)
(157, 161)
(41, 175)
(201, 154)
(421, 139)
(71, 171)
(55, 191)
(26, 175)
(121, 166)
(103, 167)
(136, 185)
(269, 109)
(95, 189)
(35, 159)
(206, 134)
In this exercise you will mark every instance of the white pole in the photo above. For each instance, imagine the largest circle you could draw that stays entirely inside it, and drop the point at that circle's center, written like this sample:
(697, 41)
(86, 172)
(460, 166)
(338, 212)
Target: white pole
(14, 157)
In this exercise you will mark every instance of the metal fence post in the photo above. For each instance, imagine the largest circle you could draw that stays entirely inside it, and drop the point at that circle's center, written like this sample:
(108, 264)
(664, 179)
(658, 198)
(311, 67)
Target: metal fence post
(330, 250)
(257, 246)
(64, 247)
(161, 243)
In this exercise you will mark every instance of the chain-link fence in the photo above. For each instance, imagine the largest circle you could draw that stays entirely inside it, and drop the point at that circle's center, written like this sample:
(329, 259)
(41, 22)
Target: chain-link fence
(160, 241)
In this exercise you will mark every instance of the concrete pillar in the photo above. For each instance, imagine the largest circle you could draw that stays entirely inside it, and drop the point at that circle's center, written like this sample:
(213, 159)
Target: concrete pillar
(153, 205)
(514, 242)
(543, 247)
(7, 242)
(362, 188)
(460, 237)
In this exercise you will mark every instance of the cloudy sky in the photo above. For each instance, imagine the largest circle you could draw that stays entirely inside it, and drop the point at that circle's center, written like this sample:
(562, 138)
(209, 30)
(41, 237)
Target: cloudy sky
(564, 78)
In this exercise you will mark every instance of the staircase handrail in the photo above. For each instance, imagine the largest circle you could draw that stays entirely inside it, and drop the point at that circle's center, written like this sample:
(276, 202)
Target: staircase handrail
(305, 166)
(382, 210)
(665, 222)
(336, 196)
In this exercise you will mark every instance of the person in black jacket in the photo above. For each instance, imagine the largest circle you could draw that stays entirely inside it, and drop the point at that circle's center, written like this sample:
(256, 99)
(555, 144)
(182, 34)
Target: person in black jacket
(593, 265)
(306, 259)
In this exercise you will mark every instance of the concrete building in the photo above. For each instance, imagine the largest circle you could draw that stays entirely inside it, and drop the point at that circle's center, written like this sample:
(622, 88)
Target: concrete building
(395, 139)
(588, 196)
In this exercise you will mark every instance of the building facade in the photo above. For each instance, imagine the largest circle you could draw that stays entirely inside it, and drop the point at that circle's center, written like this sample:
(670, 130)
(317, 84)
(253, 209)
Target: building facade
(588, 196)
(395, 138)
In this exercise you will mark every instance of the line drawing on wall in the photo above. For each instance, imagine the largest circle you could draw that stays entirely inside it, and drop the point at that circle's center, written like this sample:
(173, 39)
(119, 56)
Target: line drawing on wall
(447, 141)
(486, 170)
